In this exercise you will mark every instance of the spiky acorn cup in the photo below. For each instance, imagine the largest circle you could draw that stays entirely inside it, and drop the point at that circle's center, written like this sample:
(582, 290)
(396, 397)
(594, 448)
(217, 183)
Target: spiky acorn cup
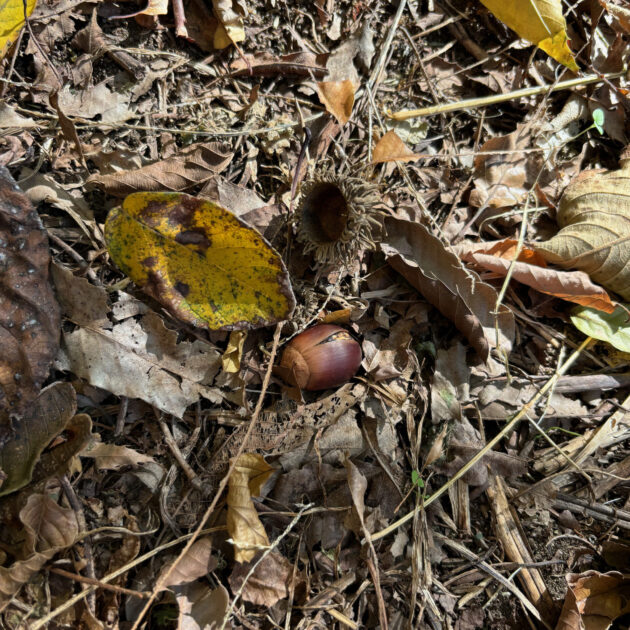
(336, 217)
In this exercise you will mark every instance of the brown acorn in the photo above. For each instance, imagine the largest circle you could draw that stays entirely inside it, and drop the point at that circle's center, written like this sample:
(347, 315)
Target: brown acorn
(321, 357)
(336, 217)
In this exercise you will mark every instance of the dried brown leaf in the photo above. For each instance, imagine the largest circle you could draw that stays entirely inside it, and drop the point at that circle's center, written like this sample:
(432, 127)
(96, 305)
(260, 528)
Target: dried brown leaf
(338, 98)
(594, 215)
(573, 286)
(191, 167)
(457, 293)
(114, 456)
(247, 532)
(268, 584)
(200, 607)
(48, 416)
(196, 563)
(390, 148)
(594, 600)
(49, 529)
(135, 358)
(29, 313)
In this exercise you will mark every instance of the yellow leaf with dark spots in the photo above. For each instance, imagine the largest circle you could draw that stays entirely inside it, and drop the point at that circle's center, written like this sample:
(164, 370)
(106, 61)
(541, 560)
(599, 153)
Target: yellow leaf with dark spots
(205, 265)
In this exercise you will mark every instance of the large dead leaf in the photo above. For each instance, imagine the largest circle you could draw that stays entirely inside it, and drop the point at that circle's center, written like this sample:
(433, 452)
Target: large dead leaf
(200, 261)
(594, 600)
(138, 359)
(538, 21)
(594, 215)
(231, 29)
(49, 529)
(29, 313)
(191, 167)
(457, 293)
(47, 416)
(244, 526)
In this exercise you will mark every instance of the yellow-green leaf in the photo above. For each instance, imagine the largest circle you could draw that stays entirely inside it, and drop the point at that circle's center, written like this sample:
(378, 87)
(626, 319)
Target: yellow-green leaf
(12, 21)
(538, 21)
(202, 263)
(614, 328)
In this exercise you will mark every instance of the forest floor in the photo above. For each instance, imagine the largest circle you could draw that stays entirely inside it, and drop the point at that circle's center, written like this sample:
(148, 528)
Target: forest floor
(472, 474)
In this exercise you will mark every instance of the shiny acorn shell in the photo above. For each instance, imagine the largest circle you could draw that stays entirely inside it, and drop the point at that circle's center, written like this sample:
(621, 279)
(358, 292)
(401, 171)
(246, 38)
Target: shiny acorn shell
(322, 357)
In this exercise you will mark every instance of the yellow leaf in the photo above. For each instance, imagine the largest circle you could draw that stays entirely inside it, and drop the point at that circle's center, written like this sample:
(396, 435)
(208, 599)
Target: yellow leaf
(338, 98)
(205, 265)
(12, 21)
(538, 21)
(247, 532)
(231, 358)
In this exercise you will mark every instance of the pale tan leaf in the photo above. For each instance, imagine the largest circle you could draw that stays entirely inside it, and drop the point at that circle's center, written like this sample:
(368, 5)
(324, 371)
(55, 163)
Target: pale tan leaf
(338, 98)
(114, 456)
(247, 532)
(200, 607)
(594, 215)
(231, 30)
(390, 148)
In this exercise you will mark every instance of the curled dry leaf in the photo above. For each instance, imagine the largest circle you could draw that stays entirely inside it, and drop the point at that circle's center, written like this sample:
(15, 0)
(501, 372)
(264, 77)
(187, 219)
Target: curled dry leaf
(538, 21)
(457, 293)
(247, 532)
(29, 313)
(572, 286)
(338, 98)
(191, 166)
(390, 148)
(594, 215)
(205, 265)
(594, 600)
(48, 529)
(114, 456)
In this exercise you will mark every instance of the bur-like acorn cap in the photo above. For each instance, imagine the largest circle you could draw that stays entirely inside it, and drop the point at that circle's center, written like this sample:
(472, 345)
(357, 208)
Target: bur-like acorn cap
(336, 217)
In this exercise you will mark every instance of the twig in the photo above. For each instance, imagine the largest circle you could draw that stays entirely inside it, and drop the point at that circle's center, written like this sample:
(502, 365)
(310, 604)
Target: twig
(87, 541)
(177, 454)
(98, 584)
(222, 484)
(120, 418)
(473, 103)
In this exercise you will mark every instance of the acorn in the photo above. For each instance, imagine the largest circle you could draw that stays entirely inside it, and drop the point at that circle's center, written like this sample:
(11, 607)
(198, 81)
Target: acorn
(336, 217)
(321, 357)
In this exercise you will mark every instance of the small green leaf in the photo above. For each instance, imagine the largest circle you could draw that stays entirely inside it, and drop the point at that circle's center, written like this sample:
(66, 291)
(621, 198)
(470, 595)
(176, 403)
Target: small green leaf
(598, 119)
(613, 328)
(416, 479)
